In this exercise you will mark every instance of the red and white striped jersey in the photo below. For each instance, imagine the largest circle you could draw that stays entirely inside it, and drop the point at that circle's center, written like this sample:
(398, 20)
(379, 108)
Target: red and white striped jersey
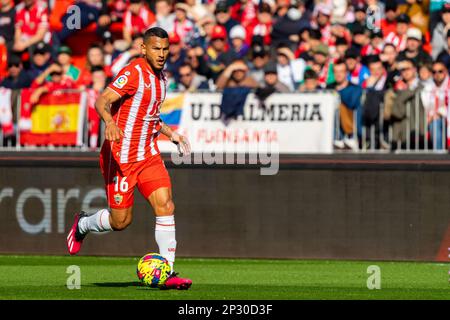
(398, 41)
(137, 113)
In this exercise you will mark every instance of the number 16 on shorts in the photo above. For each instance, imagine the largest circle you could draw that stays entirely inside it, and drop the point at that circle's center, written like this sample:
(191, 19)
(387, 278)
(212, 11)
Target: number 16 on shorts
(120, 186)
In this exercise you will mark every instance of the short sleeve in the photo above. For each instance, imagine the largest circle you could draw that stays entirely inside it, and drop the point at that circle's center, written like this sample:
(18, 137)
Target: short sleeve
(126, 81)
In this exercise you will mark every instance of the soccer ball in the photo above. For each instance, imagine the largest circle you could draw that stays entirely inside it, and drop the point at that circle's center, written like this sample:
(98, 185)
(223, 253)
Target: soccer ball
(153, 270)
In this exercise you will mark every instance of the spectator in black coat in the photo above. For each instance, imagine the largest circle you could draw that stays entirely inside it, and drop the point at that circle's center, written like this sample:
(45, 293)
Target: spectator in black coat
(17, 77)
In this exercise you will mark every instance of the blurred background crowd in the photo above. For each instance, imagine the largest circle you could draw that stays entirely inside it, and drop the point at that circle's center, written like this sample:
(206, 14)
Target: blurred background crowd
(379, 56)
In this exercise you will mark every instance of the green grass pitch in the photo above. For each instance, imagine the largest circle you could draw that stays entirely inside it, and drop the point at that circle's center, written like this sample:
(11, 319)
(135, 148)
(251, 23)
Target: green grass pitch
(45, 277)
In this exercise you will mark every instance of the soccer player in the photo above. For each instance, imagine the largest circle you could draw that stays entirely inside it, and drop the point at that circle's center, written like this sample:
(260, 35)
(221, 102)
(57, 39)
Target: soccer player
(130, 107)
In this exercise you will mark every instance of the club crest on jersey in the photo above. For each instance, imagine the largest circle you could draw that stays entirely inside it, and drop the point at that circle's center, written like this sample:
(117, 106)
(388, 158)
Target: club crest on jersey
(118, 198)
(120, 82)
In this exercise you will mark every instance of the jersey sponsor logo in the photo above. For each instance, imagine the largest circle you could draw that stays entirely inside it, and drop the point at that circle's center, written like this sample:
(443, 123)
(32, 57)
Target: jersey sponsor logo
(151, 78)
(120, 82)
(118, 198)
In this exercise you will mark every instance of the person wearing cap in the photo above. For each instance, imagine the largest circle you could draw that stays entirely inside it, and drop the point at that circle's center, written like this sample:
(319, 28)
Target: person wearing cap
(398, 38)
(17, 77)
(236, 75)
(413, 48)
(357, 72)
(164, 17)
(237, 39)
(259, 57)
(183, 26)
(439, 39)
(40, 59)
(223, 16)
(177, 56)
(217, 47)
(64, 57)
(271, 83)
(136, 19)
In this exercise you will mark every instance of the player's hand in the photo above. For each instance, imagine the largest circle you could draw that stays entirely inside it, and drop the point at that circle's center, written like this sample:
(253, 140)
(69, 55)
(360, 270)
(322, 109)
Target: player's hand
(113, 132)
(183, 145)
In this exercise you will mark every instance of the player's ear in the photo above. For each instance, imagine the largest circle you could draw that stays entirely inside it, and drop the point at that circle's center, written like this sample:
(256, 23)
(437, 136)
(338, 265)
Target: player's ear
(143, 49)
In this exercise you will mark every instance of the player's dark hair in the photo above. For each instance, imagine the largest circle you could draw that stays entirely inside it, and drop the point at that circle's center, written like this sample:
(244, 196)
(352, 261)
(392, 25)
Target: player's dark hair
(156, 32)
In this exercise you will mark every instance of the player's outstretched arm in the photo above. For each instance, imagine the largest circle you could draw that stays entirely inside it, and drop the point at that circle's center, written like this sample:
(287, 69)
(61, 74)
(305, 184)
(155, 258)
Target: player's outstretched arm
(103, 107)
(181, 141)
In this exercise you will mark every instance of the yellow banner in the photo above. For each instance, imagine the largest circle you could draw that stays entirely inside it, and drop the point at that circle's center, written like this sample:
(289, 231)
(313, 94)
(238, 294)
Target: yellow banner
(54, 118)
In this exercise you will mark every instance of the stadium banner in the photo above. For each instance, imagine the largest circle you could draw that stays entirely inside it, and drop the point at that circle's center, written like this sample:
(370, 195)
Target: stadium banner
(58, 119)
(293, 123)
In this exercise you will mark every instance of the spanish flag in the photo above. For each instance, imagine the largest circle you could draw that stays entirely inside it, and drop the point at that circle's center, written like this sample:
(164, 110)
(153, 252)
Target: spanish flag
(58, 119)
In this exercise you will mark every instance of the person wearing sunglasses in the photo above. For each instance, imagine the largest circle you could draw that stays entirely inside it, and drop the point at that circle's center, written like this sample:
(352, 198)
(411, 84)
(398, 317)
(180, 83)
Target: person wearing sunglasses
(190, 81)
(17, 78)
(407, 109)
(435, 97)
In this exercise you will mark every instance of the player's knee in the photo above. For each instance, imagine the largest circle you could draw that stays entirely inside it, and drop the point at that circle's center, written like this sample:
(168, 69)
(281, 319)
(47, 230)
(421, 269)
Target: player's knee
(165, 208)
(119, 224)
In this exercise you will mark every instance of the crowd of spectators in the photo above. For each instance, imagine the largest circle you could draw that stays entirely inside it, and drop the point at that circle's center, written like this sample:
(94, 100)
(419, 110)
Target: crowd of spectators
(380, 56)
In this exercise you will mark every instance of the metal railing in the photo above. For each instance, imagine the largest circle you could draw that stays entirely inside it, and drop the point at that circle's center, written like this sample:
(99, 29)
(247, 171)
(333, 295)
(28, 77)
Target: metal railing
(420, 130)
(419, 133)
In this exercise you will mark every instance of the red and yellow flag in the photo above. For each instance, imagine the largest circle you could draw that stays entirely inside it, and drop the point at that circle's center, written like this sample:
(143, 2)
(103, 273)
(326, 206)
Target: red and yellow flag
(57, 119)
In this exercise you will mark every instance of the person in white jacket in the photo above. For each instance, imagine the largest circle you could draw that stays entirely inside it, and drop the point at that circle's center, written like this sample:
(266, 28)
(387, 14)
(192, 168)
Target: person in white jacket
(435, 98)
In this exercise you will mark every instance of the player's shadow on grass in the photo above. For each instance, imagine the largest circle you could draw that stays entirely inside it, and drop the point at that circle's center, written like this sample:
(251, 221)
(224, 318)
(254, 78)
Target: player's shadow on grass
(118, 284)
